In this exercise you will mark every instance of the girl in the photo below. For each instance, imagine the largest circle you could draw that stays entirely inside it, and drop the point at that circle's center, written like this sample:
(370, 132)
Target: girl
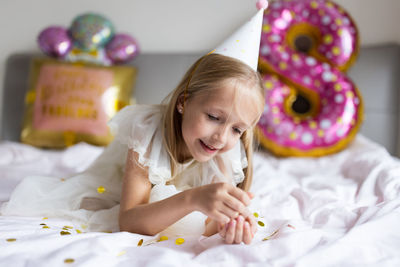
(185, 159)
(207, 134)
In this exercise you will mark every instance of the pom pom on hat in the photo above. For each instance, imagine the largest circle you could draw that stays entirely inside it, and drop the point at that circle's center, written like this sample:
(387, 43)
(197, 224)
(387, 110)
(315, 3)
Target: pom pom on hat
(262, 4)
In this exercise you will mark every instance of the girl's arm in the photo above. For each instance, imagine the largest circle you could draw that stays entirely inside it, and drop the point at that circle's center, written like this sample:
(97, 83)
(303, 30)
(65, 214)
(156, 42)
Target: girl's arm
(219, 201)
(136, 214)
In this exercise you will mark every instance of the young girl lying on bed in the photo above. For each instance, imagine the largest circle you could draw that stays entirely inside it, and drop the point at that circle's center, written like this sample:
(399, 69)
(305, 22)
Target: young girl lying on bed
(170, 166)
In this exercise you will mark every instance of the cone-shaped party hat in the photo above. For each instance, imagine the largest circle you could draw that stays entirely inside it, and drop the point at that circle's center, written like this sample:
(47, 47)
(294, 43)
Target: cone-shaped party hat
(244, 43)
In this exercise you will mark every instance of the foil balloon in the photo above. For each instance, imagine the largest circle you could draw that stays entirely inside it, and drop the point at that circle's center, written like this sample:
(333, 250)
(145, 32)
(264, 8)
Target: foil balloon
(91, 31)
(122, 48)
(311, 107)
(55, 41)
(69, 103)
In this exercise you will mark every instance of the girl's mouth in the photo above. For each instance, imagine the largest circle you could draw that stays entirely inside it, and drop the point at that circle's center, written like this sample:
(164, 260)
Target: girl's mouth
(207, 148)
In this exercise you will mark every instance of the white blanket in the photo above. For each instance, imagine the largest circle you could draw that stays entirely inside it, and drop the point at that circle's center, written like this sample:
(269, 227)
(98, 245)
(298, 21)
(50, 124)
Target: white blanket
(338, 210)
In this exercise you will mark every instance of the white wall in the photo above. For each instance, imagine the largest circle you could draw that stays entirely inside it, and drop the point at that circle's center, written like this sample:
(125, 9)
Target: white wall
(169, 25)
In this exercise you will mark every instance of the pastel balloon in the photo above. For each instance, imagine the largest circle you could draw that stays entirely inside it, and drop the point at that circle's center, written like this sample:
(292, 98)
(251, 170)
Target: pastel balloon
(122, 48)
(54, 41)
(91, 31)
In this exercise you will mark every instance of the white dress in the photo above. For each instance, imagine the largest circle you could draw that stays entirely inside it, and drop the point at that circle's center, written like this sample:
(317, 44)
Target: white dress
(92, 197)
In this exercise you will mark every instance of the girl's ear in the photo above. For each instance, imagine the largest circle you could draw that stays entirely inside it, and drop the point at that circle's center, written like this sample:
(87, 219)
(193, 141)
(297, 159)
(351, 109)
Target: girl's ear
(179, 103)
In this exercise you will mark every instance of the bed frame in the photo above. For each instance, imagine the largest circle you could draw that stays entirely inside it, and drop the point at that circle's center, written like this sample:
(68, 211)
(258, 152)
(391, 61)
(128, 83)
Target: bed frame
(376, 73)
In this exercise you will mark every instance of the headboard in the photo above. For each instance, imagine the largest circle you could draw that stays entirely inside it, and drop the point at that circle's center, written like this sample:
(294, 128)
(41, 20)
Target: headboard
(376, 73)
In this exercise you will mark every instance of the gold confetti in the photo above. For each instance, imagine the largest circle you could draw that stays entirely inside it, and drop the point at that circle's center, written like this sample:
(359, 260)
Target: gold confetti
(69, 260)
(64, 233)
(163, 238)
(140, 242)
(260, 223)
(179, 241)
(255, 214)
(11, 239)
(78, 231)
(45, 227)
(45, 218)
(83, 226)
(42, 224)
(101, 189)
(271, 235)
(121, 253)
(68, 227)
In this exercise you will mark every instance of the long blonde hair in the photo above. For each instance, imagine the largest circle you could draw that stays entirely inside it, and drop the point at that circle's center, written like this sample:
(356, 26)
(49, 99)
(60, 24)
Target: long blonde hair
(204, 75)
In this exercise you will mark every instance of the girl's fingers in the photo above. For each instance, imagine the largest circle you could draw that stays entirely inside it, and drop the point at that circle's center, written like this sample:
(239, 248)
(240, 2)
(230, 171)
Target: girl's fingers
(230, 232)
(228, 211)
(240, 195)
(239, 230)
(223, 229)
(252, 223)
(251, 195)
(237, 206)
(220, 217)
(247, 235)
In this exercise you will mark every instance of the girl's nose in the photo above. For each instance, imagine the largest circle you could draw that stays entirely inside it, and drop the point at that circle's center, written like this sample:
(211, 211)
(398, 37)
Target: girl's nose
(221, 135)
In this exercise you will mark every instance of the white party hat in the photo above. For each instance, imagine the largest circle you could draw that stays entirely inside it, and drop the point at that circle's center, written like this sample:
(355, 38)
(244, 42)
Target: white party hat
(244, 43)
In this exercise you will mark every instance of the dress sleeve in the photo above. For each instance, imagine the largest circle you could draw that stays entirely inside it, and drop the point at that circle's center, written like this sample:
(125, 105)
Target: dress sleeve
(139, 127)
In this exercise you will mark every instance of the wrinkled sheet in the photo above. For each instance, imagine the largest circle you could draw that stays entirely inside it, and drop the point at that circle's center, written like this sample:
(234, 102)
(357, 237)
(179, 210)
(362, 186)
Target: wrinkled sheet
(338, 210)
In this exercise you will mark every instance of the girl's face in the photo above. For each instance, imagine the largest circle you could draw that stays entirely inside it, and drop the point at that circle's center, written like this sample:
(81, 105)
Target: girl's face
(213, 123)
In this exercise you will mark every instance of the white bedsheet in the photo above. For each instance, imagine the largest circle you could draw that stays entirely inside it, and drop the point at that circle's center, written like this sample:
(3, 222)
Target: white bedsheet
(339, 210)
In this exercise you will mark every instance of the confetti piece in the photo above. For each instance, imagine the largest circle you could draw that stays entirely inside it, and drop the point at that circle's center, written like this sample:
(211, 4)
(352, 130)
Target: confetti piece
(78, 231)
(140, 242)
(68, 227)
(45, 227)
(42, 224)
(69, 260)
(179, 241)
(255, 214)
(271, 235)
(291, 226)
(101, 189)
(163, 238)
(11, 239)
(45, 218)
(62, 180)
(64, 233)
(83, 226)
(260, 223)
(121, 253)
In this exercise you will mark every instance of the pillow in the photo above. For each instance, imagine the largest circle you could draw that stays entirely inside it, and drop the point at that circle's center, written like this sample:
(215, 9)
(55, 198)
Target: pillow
(69, 102)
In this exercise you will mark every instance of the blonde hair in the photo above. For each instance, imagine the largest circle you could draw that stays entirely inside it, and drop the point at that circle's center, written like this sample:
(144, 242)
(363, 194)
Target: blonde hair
(204, 75)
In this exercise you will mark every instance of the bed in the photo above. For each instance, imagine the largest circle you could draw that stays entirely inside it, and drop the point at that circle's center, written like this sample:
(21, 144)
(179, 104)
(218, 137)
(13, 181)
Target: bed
(337, 210)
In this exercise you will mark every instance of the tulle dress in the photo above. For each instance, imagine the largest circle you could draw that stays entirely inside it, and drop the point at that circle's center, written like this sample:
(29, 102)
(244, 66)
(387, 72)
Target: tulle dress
(92, 197)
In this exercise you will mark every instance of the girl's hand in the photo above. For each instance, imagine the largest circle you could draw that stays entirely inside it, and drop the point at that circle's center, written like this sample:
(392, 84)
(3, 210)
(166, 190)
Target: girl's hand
(221, 201)
(238, 230)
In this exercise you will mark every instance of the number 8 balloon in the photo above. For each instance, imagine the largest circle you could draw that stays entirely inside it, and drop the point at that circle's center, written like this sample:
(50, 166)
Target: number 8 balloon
(312, 108)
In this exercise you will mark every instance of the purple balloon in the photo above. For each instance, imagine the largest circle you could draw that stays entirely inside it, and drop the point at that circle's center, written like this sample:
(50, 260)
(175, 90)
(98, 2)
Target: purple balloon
(55, 41)
(122, 48)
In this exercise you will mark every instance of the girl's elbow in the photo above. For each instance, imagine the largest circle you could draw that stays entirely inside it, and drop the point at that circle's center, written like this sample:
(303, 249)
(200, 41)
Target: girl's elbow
(126, 225)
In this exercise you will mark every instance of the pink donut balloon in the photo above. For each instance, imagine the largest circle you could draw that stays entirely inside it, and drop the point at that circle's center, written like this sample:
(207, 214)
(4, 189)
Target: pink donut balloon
(312, 108)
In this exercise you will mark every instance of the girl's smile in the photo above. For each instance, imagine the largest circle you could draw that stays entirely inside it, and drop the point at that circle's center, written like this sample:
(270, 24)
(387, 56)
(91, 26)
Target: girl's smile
(207, 148)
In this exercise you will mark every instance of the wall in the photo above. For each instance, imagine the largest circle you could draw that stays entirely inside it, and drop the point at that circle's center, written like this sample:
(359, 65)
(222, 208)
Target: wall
(170, 26)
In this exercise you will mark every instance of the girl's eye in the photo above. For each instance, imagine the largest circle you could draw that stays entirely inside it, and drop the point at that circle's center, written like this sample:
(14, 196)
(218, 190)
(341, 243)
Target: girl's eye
(237, 130)
(213, 118)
